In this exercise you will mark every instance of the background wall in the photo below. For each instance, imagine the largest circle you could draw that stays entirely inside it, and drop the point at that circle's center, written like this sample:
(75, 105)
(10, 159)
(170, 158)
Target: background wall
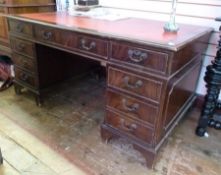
(197, 12)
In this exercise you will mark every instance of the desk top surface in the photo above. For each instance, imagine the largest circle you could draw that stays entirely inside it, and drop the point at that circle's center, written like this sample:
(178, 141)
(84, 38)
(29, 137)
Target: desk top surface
(131, 29)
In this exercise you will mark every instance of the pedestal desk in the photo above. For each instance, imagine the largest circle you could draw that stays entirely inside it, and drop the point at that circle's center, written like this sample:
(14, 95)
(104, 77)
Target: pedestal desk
(151, 75)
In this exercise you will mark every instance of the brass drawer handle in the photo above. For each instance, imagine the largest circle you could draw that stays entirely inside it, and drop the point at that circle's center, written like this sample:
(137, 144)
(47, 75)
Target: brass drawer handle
(2, 1)
(137, 56)
(19, 27)
(137, 85)
(24, 76)
(88, 46)
(46, 35)
(127, 127)
(133, 108)
(20, 46)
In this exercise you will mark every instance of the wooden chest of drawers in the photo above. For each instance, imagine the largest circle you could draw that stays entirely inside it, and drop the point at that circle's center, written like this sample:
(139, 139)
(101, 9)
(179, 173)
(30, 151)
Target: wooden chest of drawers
(8, 7)
(150, 84)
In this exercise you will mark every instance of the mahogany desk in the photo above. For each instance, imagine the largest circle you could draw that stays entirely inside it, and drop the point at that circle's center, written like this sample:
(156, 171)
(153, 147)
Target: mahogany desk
(151, 75)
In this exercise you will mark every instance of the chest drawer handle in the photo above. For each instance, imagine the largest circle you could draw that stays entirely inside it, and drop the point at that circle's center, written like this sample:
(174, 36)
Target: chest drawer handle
(46, 35)
(2, 1)
(137, 85)
(20, 27)
(127, 127)
(24, 76)
(132, 108)
(136, 55)
(88, 46)
(20, 46)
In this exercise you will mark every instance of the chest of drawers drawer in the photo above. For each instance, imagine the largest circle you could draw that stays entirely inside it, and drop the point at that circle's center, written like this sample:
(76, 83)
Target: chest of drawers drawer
(132, 107)
(23, 47)
(21, 28)
(143, 58)
(26, 78)
(24, 62)
(129, 127)
(143, 87)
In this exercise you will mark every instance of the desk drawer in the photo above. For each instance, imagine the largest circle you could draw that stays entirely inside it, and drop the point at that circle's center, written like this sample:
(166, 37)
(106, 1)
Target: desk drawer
(20, 27)
(26, 78)
(24, 62)
(92, 45)
(47, 34)
(129, 127)
(71, 40)
(144, 58)
(23, 47)
(137, 85)
(132, 107)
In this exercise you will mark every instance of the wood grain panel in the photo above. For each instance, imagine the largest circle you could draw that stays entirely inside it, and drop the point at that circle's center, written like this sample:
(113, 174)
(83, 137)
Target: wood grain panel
(132, 107)
(21, 28)
(26, 78)
(142, 87)
(23, 47)
(182, 85)
(145, 59)
(24, 62)
(129, 127)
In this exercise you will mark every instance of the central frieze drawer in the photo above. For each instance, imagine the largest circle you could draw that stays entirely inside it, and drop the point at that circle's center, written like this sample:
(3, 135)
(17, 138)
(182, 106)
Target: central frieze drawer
(143, 58)
(24, 62)
(23, 47)
(26, 78)
(71, 40)
(143, 87)
(47, 34)
(20, 27)
(129, 127)
(132, 107)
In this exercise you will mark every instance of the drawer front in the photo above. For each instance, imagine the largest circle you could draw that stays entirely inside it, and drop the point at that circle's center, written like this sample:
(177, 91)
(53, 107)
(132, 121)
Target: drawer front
(132, 107)
(146, 59)
(129, 127)
(24, 62)
(47, 34)
(20, 27)
(23, 47)
(26, 78)
(72, 40)
(92, 45)
(140, 86)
